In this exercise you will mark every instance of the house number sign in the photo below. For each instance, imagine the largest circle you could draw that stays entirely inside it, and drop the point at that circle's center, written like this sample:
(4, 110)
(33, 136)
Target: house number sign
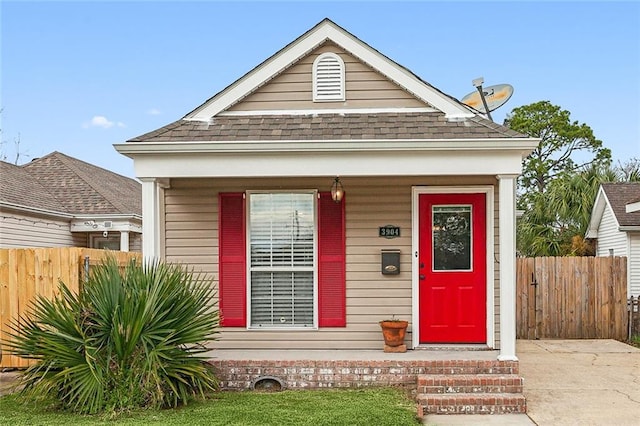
(389, 231)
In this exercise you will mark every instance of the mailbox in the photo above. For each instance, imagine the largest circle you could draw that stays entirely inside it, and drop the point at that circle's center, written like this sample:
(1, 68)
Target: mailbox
(390, 261)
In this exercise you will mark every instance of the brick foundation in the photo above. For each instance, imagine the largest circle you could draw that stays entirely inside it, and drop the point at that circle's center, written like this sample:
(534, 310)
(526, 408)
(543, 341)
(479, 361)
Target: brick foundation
(322, 374)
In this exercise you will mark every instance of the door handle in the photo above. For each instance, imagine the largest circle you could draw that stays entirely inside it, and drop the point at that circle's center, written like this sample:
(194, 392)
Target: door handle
(422, 277)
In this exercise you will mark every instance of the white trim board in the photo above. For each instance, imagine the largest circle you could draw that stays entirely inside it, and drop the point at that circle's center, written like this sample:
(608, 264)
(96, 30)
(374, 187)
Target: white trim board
(416, 191)
(321, 111)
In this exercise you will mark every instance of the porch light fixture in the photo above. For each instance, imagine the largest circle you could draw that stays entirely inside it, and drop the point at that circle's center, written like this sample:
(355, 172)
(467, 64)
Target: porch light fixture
(337, 191)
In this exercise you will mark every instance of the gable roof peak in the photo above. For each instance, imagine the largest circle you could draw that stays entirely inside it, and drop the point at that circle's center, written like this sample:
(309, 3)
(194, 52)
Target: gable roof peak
(616, 195)
(304, 44)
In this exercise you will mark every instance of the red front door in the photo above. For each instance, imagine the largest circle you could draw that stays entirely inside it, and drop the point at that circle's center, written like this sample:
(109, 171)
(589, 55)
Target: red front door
(452, 268)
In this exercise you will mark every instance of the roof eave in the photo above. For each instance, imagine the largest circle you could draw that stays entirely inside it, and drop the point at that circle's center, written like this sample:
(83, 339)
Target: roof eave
(523, 145)
(634, 228)
(632, 207)
(35, 210)
(596, 214)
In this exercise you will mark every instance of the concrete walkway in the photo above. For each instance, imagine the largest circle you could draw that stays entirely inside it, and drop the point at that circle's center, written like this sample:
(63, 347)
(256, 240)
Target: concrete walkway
(581, 382)
(571, 382)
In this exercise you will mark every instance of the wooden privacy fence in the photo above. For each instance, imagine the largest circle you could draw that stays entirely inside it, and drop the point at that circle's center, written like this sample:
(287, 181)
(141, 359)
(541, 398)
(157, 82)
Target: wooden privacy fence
(26, 273)
(571, 298)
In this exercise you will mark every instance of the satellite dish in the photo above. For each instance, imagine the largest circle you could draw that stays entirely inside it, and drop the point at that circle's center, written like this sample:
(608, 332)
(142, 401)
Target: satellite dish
(495, 96)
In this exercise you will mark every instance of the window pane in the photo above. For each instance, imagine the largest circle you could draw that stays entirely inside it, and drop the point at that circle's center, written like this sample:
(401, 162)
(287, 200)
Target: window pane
(282, 258)
(451, 238)
(282, 299)
(282, 229)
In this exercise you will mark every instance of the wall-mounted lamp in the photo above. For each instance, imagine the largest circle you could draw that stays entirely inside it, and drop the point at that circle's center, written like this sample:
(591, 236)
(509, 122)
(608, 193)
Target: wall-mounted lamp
(337, 191)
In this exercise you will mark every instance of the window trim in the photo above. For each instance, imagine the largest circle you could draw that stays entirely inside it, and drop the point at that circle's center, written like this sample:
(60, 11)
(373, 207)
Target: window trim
(315, 325)
(335, 98)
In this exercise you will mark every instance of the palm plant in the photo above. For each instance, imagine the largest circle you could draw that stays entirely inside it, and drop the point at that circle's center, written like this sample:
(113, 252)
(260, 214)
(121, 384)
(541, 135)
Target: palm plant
(130, 338)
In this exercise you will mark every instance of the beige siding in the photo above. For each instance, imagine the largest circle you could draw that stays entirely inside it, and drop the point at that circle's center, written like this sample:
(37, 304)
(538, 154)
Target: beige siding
(191, 237)
(365, 88)
(19, 230)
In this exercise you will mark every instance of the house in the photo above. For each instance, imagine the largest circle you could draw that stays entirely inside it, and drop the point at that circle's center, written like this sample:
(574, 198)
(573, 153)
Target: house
(330, 188)
(60, 201)
(615, 226)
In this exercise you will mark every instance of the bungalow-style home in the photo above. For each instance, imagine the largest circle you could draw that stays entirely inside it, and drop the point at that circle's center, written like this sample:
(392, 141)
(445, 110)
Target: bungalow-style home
(330, 188)
(615, 226)
(60, 201)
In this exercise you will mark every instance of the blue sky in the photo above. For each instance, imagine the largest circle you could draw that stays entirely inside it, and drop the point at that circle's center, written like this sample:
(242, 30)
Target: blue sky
(78, 77)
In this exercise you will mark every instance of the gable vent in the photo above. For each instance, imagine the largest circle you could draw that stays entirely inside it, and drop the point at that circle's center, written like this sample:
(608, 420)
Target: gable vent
(328, 78)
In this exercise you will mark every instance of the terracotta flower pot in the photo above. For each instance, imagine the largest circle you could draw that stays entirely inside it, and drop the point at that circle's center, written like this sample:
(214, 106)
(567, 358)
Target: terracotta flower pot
(393, 332)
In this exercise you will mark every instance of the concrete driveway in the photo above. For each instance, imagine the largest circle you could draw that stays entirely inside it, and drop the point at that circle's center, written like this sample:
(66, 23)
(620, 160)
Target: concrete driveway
(580, 382)
(570, 382)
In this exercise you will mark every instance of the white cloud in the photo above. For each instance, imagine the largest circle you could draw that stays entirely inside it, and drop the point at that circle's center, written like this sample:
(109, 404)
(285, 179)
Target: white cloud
(103, 122)
(154, 111)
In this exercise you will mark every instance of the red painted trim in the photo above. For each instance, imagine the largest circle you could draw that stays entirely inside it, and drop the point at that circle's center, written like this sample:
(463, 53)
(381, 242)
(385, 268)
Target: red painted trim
(232, 259)
(331, 262)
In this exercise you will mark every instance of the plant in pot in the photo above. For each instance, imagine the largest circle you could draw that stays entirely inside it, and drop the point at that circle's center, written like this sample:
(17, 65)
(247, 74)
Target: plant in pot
(393, 331)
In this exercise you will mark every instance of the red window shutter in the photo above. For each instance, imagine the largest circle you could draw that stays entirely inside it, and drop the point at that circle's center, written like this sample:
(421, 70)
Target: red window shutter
(232, 259)
(331, 263)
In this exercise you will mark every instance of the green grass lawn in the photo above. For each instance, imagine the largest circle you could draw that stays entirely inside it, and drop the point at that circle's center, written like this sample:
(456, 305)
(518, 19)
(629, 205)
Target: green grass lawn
(327, 407)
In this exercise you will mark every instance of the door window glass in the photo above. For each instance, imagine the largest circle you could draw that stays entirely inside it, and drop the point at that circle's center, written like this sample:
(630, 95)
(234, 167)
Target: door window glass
(451, 238)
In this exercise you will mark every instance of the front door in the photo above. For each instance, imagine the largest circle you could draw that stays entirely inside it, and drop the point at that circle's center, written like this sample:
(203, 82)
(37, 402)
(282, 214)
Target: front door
(452, 268)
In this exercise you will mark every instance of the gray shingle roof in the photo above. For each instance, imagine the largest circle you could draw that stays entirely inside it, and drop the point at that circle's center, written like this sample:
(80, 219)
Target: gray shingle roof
(619, 195)
(359, 126)
(73, 186)
(18, 187)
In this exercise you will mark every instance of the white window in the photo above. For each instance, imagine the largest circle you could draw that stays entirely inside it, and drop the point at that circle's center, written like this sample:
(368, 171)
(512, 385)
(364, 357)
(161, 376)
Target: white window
(282, 241)
(112, 242)
(328, 78)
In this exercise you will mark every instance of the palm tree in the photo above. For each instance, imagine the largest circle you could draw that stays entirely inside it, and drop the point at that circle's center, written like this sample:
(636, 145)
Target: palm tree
(555, 221)
(130, 338)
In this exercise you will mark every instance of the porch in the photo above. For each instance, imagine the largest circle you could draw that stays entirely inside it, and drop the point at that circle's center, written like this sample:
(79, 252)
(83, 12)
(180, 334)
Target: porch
(451, 380)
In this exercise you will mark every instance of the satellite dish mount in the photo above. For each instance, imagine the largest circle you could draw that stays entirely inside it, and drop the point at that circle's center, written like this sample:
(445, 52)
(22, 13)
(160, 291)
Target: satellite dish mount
(477, 82)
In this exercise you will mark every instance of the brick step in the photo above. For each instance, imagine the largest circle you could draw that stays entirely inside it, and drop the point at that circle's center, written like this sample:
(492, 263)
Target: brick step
(468, 367)
(467, 403)
(469, 383)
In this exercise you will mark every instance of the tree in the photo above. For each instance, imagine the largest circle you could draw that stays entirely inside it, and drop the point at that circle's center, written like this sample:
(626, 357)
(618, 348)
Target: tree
(630, 170)
(556, 221)
(561, 142)
(559, 180)
(16, 142)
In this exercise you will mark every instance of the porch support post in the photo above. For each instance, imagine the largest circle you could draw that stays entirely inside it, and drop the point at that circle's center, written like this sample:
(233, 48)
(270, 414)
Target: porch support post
(507, 243)
(124, 241)
(150, 219)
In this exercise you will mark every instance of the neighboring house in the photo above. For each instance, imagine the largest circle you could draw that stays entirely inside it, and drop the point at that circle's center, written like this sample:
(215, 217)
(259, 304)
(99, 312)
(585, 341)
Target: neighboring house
(241, 189)
(60, 201)
(615, 225)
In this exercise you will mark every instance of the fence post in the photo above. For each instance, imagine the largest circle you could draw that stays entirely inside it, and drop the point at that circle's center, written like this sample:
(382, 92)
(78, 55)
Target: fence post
(86, 270)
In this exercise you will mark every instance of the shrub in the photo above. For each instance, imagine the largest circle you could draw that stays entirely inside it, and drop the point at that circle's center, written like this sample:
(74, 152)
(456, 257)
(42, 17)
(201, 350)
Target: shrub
(130, 338)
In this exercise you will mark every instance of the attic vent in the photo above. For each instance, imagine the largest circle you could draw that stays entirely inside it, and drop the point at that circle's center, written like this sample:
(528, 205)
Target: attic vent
(328, 78)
